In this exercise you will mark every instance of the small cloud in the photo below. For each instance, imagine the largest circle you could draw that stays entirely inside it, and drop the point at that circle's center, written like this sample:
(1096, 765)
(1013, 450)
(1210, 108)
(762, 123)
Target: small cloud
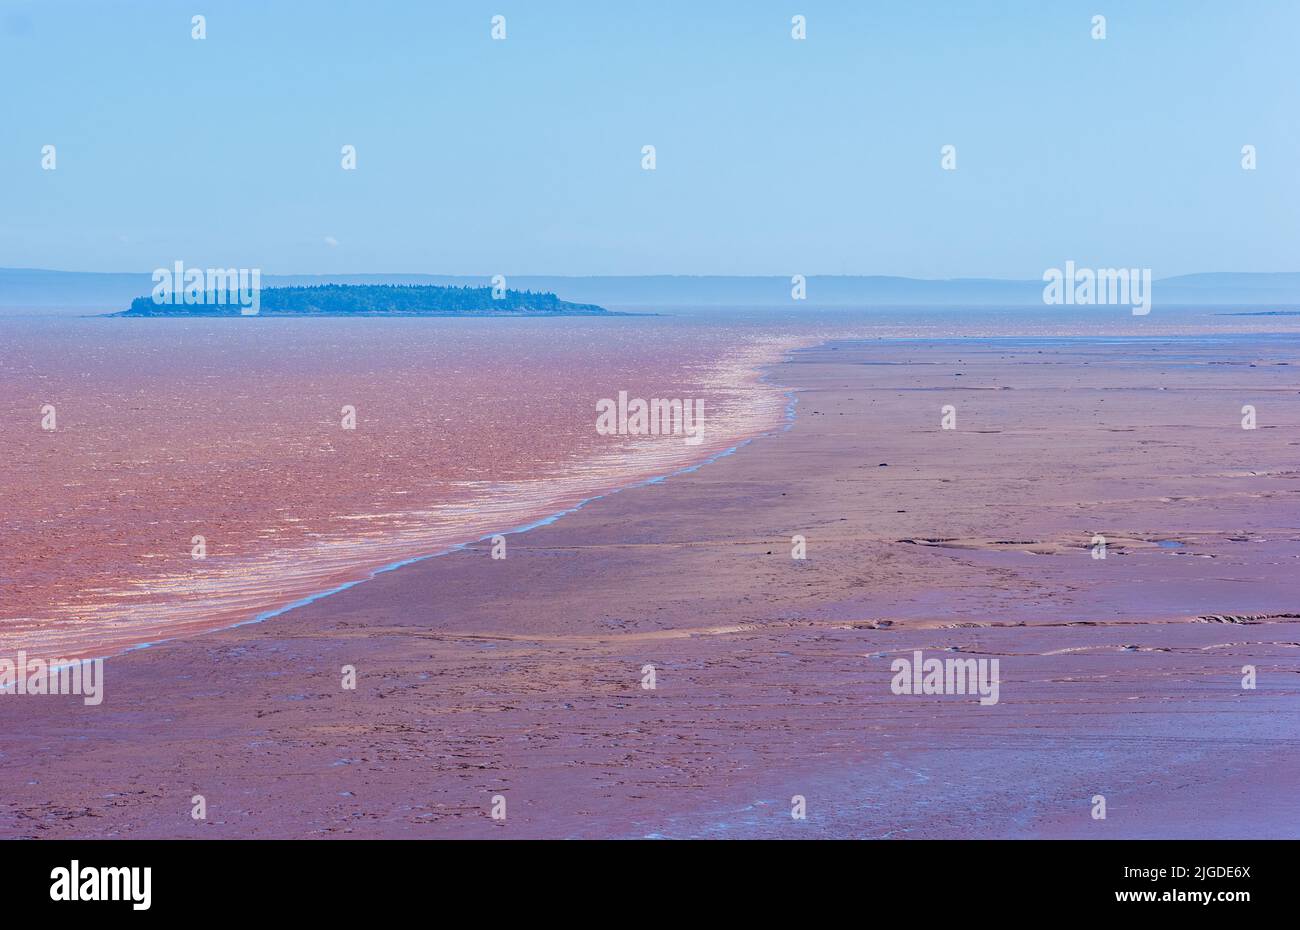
(331, 242)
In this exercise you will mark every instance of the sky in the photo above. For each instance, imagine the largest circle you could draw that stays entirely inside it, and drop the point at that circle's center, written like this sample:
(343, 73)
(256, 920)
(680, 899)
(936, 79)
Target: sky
(773, 155)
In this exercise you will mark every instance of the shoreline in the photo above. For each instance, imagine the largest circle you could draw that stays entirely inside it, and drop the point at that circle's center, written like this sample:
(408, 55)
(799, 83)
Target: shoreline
(518, 530)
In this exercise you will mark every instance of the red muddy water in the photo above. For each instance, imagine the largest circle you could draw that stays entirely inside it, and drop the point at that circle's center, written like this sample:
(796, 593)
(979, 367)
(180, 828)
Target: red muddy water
(172, 429)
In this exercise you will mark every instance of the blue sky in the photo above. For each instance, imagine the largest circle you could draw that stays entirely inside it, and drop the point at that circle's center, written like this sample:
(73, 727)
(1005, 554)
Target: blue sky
(774, 156)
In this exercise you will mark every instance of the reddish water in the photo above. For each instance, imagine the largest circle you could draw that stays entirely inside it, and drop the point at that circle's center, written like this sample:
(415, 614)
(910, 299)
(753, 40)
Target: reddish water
(170, 429)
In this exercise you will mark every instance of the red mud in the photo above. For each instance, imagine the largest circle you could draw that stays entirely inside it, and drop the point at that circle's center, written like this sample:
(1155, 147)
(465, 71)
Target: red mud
(522, 677)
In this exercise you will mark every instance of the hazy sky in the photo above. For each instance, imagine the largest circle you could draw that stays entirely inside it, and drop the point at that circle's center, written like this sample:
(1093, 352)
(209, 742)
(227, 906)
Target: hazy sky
(774, 156)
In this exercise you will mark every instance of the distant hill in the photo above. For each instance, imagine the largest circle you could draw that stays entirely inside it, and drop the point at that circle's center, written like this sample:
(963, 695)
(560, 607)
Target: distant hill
(371, 300)
(32, 289)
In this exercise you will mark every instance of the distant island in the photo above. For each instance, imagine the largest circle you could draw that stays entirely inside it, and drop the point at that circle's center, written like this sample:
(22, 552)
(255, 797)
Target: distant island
(361, 300)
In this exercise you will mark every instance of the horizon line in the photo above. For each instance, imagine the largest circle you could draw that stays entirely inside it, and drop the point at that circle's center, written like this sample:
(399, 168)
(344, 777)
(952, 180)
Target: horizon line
(780, 275)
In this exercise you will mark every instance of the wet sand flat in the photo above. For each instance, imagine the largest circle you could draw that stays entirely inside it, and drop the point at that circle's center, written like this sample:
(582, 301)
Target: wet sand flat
(523, 676)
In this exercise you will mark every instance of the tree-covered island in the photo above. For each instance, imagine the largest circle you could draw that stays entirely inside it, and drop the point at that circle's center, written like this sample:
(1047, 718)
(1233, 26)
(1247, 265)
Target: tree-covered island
(357, 300)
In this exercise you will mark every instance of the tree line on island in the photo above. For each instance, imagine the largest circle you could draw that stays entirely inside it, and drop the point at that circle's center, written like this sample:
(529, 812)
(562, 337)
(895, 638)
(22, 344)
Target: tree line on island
(360, 300)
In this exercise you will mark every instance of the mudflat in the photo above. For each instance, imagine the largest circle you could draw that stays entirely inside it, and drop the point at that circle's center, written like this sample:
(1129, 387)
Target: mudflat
(1123, 677)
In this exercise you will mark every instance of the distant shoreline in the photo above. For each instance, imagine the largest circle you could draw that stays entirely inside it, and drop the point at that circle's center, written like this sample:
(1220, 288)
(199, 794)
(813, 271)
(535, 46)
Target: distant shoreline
(22, 288)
